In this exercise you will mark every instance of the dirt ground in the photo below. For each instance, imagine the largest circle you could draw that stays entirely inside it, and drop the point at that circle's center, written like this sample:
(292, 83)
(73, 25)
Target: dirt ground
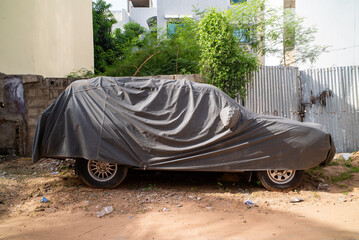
(175, 205)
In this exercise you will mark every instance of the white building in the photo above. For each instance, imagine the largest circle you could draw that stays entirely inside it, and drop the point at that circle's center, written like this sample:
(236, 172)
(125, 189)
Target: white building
(338, 27)
(167, 11)
(337, 22)
(121, 17)
(170, 11)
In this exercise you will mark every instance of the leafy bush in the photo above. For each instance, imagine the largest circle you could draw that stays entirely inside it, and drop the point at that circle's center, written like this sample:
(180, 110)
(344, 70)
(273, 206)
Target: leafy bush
(223, 62)
(162, 55)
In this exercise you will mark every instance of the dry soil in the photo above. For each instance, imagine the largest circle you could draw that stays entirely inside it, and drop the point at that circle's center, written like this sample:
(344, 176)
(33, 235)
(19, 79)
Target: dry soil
(175, 205)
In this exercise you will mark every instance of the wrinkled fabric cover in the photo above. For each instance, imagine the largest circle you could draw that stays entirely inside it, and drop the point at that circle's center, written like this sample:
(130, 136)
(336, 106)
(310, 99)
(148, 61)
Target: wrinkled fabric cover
(173, 125)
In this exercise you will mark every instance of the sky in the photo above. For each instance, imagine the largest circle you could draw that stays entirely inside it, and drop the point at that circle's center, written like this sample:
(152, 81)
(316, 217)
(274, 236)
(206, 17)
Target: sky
(117, 4)
(120, 4)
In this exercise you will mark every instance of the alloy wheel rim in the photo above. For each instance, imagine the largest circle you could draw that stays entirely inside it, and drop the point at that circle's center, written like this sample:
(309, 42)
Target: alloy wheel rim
(101, 171)
(281, 176)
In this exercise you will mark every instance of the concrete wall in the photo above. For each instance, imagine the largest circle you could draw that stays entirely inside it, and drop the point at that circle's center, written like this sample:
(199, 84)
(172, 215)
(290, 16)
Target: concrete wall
(140, 15)
(338, 27)
(118, 16)
(121, 17)
(167, 7)
(51, 38)
(22, 100)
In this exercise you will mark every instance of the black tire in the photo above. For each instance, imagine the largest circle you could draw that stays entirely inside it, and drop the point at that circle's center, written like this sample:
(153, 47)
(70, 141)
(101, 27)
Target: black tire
(280, 180)
(97, 174)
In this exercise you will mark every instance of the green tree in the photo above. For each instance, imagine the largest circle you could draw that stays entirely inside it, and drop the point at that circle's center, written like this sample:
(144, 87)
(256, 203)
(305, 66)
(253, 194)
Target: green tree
(223, 62)
(279, 32)
(103, 20)
(224, 46)
(128, 39)
(157, 54)
(295, 39)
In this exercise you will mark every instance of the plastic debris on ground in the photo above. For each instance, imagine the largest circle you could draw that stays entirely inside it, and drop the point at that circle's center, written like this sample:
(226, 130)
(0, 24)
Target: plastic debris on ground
(44, 200)
(105, 211)
(296, 200)
(346, 156)
(249, 203)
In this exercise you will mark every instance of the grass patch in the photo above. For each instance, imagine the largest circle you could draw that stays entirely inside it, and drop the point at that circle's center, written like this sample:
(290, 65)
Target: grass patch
(334, 163)
(354, 169)
(341, 177)
(318, 172)
(220, 186)
(151, 187)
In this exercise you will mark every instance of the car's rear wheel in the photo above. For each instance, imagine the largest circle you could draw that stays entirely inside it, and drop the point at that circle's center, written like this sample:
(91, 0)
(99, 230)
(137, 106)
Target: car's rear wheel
(98, 174)
(280, 180)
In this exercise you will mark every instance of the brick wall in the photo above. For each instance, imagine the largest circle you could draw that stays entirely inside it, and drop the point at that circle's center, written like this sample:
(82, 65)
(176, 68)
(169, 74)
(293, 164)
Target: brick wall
(22, 100)
(39, 93)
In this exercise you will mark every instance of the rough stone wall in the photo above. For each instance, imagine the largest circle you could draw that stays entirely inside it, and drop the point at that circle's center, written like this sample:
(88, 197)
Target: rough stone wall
(18, 124)
(22, 100)
(12, 122)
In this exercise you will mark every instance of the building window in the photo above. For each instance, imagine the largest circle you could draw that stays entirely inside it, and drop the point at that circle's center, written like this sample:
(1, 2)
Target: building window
(237, 1)
(172, 27)
(241, 35)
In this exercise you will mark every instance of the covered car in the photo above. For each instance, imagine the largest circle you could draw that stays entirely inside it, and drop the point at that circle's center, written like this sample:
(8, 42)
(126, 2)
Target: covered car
(110, 124)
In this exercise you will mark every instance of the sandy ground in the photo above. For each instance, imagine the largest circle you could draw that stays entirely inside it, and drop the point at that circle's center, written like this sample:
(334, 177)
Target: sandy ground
(175, 205)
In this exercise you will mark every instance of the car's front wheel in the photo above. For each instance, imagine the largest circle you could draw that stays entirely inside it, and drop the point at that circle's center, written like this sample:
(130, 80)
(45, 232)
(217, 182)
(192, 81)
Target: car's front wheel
(98, 174)
(280, 180)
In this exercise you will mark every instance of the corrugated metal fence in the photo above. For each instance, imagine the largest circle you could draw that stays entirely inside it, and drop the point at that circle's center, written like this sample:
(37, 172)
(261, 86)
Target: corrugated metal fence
(274, 91)
(329, 96)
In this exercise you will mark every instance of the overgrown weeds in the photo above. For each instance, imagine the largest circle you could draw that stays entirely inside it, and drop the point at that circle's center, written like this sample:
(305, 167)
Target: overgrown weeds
(319, 171)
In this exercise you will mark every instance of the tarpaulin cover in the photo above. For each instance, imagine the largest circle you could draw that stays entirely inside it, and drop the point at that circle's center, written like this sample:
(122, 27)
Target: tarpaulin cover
(173, 125)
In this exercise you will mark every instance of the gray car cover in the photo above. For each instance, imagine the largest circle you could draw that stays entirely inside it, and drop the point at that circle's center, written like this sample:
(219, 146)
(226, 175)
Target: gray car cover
(172, 125)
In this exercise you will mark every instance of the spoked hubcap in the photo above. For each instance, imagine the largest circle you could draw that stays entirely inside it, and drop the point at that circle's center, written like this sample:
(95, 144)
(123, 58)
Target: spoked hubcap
(101, 171)
(281, 176)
